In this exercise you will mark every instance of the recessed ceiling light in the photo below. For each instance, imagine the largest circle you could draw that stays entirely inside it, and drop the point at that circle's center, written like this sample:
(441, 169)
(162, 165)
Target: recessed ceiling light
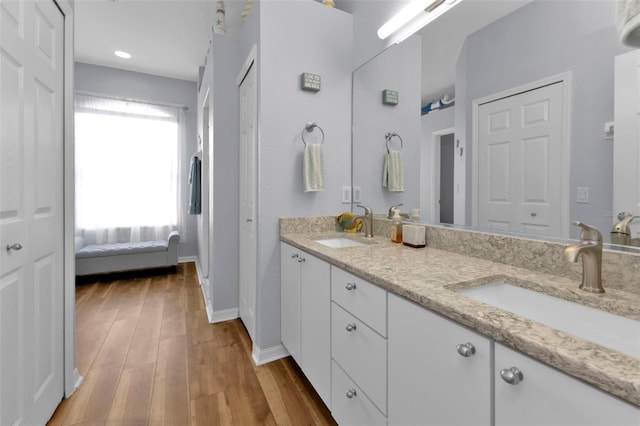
(122, 54)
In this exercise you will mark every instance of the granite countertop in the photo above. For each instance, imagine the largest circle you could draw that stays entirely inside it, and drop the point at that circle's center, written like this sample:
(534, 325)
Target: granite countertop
(430, 278)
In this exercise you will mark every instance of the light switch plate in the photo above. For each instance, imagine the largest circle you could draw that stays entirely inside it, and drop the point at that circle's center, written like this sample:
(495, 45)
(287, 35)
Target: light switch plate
(346, 195)
(357, 194)
(582, 195)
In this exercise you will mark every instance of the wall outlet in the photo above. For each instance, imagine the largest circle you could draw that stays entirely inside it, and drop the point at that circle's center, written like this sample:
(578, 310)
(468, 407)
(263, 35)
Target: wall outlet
(346, 195)
(357, 194)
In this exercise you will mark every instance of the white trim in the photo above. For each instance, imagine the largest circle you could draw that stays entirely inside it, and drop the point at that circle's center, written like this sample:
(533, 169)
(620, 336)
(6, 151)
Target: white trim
(263, 356)
(244, 69)
(72, 378)
(223, 315)
(436, 152)
(565, 78)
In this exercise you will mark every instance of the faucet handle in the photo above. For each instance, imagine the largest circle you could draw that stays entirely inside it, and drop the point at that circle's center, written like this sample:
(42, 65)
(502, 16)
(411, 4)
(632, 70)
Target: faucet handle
(393, 208)
(367, 210)
(589, 233)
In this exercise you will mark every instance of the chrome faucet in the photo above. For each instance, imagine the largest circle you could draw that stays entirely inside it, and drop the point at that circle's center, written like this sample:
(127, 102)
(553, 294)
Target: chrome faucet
(590, 247)
(393, 208)
(367, 219)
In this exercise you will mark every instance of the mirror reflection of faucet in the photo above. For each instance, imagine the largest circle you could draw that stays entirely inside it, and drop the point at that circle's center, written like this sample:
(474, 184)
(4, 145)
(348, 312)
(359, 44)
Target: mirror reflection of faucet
(621, 232)
(590, 247)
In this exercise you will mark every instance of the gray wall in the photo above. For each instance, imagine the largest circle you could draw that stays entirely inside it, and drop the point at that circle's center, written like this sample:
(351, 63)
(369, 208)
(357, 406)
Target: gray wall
(296, 37)
(397, 68)
(542, 39)
(128, 84)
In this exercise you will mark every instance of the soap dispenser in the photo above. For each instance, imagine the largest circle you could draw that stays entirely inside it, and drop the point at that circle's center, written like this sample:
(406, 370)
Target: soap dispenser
(396, 227)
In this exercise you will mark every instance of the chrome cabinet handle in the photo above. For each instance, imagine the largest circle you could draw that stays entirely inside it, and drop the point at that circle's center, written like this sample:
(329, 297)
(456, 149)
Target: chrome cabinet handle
(301, 259)
(350, 286)
(351, 393)
(512, 375)
(15, 247)
(466, 349)
(350, 327)
(294, 256)
(533, 214)
(249, 220)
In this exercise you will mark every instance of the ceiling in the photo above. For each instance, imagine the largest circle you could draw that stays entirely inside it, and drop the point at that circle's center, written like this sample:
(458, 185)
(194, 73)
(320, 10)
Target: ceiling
(170, 38)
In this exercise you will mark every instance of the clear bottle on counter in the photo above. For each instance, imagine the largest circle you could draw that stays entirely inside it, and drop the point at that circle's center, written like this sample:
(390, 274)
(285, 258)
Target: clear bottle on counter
(396, 227)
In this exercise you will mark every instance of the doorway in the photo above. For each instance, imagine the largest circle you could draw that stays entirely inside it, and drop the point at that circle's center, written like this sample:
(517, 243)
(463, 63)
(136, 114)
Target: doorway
(442, 154)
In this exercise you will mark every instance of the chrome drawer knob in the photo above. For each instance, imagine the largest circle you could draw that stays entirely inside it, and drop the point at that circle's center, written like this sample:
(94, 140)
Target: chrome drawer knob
(350, 327)
(301, 260)
(16, 247)
(466, 349)
(512, 375)
(351, 393)
(294, 256)
(350, 286)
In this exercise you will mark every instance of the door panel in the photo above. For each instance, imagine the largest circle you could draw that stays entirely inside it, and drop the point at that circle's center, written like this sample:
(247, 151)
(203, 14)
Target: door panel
(520, 158)
(31, 210)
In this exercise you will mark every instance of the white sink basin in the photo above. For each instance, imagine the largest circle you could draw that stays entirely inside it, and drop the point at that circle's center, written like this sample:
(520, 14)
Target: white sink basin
(603, 328)
(339, 243)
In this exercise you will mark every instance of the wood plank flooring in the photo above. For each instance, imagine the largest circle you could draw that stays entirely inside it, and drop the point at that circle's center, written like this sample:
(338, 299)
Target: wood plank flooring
(150, 357)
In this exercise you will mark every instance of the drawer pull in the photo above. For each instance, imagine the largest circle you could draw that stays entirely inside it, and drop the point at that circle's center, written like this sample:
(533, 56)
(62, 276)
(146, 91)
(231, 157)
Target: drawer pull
(350, 327)
(294, 256)
(15, 247)
(301, 260)
(512, 375)
(350, 286)
(351, 393)
(466, 349)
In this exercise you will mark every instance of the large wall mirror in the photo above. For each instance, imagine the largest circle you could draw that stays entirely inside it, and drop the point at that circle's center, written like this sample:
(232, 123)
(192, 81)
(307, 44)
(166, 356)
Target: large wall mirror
(546, 74)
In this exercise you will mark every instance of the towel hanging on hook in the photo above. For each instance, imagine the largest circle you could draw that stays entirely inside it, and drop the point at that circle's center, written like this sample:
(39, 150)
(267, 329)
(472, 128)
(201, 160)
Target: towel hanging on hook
(312, 162)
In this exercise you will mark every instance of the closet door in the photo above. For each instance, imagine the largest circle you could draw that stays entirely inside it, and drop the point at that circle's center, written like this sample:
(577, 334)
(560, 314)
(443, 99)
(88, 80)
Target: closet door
(31, 211)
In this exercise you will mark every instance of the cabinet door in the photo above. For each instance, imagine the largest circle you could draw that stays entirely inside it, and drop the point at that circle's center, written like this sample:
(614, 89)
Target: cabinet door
(349, 405)
(430, 383)
(546, 396)
(290, 300)
(315, 324)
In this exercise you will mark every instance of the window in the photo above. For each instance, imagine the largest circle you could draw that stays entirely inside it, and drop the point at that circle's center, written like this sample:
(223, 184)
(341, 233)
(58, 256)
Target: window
(127, 174)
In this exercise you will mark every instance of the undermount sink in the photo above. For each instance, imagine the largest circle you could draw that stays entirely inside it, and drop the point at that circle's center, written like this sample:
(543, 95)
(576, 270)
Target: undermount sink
(340, 243)
(603, 328)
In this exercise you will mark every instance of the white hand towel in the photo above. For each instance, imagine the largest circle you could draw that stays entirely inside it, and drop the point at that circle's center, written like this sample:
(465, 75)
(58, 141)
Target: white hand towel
(393, 173)
(313, 168)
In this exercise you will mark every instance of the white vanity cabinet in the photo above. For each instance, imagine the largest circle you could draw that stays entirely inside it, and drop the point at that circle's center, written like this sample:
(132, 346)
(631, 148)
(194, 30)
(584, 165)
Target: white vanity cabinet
(439, 371)
(305, 300)
(358, 350)
(546, 396)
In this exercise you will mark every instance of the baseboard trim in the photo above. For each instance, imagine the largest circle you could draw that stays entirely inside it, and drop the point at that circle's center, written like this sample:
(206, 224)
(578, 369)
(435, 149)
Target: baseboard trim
(207, 305)
(224, 315)
(77, 381)
(263, 356)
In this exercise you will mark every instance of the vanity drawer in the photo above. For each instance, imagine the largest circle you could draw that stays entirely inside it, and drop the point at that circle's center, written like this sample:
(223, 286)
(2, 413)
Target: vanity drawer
(366, 301)
(349, 404)
(362, 353)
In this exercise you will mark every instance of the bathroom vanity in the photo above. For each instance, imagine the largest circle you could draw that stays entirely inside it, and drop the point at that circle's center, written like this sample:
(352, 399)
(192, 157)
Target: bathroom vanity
(390, 340)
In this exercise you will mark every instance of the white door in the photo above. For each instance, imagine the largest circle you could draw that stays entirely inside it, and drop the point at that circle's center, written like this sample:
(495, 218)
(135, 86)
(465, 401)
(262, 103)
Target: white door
(626, 149)
(248, 165)
(520, 161)
(31, 211)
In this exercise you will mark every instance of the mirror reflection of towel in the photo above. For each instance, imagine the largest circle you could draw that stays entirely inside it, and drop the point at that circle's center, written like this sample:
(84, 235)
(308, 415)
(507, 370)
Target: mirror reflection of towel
(313, 168)
(393, 173)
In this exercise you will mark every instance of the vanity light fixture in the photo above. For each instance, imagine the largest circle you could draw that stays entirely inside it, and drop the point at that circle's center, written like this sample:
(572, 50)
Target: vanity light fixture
(122, 54)
(413, 17)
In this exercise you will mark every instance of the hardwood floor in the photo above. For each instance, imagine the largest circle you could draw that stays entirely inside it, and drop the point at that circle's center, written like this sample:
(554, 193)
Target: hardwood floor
(150, 357)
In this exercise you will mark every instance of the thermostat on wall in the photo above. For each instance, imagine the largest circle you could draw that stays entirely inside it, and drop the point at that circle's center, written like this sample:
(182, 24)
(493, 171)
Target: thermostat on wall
(389, 97)
(310, 82)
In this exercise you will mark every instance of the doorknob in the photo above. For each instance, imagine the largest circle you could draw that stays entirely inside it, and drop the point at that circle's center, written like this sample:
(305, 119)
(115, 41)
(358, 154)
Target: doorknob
(16, 247)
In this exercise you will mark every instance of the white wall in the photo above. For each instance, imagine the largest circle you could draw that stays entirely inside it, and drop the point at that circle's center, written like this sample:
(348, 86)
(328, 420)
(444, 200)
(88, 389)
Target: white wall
(397, 68)
(129, 84)
(296, 37)
(542, 39)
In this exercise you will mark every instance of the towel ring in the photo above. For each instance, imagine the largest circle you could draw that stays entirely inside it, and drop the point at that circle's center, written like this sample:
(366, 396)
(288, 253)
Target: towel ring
(388, 136)
(308, 128)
